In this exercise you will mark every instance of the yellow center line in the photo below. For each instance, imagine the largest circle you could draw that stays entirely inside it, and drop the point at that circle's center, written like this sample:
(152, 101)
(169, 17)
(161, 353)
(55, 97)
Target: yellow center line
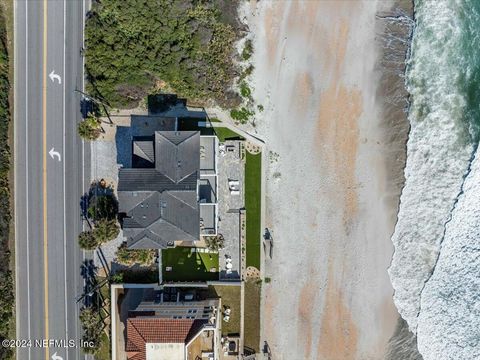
(44, 126)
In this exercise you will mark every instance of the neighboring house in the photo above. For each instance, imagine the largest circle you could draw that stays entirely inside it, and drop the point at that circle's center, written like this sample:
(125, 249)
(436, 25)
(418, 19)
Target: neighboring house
(168, 195)
(173, 330)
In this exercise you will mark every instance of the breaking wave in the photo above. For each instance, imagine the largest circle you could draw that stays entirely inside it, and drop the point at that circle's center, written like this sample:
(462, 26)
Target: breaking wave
(438, 217)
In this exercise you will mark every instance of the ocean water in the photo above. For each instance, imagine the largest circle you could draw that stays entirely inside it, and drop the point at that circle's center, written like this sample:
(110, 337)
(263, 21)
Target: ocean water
(435, 265)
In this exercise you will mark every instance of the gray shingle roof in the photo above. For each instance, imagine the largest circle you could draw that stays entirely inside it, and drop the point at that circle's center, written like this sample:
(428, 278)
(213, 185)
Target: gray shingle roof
(177, 153)
(145, 125)
(151, 180)
(144, 150)
(161, 203)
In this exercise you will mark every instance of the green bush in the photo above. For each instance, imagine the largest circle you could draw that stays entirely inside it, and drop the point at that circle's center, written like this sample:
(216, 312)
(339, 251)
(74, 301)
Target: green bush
(136, 46)
(87, 241)
(102, 207)
(90, 128)
(105, 230)
(92, 326)
(241, 115)
(247, 50)
(135, 256)
(245, 90)
(247, 72)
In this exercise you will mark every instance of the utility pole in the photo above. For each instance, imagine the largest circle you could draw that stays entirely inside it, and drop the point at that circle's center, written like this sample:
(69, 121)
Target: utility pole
(97, 101)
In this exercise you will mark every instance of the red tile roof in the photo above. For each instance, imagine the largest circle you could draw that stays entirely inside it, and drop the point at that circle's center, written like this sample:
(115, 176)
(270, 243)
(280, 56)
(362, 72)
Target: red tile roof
(154, 330)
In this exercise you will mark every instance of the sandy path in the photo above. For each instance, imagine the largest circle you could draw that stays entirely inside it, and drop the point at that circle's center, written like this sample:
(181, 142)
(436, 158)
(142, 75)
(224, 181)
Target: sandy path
(329, 203)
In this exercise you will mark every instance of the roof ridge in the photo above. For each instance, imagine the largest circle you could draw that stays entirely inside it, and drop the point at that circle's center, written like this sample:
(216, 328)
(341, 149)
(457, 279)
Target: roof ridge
(132, 323)
(170, 193)
(152, 193)
(169, 222)
(192, 134)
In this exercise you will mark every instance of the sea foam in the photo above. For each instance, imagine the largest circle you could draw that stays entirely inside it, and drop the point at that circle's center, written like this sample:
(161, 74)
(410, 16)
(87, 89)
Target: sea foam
(449, 320)
(439, 148)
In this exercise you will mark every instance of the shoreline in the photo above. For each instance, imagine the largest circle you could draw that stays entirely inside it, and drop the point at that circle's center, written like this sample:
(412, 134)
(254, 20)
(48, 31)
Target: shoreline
(393, 61)
(332, 196)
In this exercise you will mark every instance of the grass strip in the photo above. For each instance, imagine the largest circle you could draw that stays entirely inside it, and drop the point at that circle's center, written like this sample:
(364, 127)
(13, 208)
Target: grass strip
(253, 180)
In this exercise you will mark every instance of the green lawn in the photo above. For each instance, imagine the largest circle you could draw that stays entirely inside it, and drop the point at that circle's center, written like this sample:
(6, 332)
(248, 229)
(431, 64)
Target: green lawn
(253, 174)
(224, 133)
(188, 266)
(252, 315)
(230, 298)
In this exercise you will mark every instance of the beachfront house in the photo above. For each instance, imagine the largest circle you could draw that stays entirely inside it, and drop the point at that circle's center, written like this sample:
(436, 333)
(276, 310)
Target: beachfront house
(167, 196)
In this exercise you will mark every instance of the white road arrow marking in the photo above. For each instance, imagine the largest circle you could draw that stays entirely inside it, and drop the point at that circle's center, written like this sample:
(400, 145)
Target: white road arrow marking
(56, 357)
(54, 153)
(54, 76)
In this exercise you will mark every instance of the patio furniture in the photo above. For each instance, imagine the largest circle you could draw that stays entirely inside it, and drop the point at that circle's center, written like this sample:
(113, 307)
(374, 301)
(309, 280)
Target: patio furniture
(229, 266)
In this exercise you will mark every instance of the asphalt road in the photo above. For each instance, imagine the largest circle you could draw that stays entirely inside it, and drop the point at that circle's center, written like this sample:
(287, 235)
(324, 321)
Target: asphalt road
(48, 37)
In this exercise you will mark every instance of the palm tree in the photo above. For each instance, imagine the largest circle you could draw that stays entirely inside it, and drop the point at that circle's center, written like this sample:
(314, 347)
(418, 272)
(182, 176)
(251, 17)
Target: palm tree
(105, 230)
(90, 128)
(87, 241)
(102, 207)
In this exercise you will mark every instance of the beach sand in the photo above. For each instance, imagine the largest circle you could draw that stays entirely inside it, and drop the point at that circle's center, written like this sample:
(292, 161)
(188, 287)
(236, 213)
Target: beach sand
(335, 119)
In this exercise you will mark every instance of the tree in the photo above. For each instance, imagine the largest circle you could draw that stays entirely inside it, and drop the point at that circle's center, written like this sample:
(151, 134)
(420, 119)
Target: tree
(188, 45)
(102, 207)
(215, 243)
(87, 241)
(90, 128)
(105, 230)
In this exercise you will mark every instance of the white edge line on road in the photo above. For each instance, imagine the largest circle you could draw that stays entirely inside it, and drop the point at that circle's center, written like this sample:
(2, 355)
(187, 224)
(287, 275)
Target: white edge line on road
(26, 177)
(64, 183)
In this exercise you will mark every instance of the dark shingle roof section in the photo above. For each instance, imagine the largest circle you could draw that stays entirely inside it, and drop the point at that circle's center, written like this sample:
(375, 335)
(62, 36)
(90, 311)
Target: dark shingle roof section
(177, 153)
(144, 150)
(151, 180)
(160, 203)
(144, 125)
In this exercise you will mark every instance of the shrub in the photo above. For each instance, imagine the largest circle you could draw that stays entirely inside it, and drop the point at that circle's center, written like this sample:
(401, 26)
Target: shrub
(241, 115)
(247, 50)
(92, 326)
(105, 230)
(135, 256)
(87, 241)
(247, 72)
(102, 207)
(90, 128)
(215, 243)
(245, 90)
